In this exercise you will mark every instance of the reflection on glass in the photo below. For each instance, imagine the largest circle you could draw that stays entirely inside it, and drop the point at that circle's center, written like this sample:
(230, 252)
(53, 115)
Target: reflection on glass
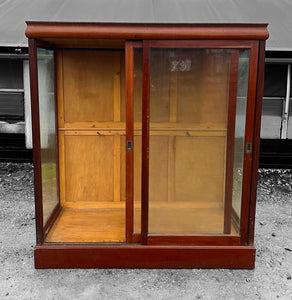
(241, 104)
(189, 95)
(137, 99)
(47, 130)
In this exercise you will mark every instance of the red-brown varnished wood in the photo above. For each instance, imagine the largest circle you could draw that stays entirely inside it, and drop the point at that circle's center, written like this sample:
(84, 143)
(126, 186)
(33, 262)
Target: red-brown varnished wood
(256, 142)
(129, 60)
(230, 140)
(145, 31)
(116, 256)
(136, 239)
(33, 68)
(192, 240)
(145, 142)
(249, 130)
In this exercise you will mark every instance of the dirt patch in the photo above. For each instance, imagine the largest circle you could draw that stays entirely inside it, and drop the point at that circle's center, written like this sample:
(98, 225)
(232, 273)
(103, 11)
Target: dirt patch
(271, 278)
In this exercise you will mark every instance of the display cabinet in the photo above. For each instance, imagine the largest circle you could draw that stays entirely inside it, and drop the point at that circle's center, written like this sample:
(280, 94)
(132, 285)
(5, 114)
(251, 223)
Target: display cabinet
(146, 143)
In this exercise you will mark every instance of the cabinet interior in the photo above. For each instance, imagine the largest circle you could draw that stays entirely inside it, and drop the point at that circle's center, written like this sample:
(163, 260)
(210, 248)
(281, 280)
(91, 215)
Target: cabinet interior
(187, 152)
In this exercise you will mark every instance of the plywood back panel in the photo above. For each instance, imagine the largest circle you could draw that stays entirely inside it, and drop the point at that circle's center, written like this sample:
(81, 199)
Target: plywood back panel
(89, 168)
(89, 85)
(137, 167)
(159, 87)
(199, 169)
(202, 91)
(122, 163)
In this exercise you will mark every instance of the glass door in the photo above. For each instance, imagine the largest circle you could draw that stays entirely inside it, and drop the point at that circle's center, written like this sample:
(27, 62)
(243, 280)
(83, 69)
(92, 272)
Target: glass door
(194, 104)
(48, 145)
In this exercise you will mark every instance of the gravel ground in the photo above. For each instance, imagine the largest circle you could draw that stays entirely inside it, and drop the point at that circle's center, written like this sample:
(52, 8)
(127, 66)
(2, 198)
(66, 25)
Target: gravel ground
(271, 278)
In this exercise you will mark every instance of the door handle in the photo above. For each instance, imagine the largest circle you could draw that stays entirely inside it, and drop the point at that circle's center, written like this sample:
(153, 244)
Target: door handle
(129, 146)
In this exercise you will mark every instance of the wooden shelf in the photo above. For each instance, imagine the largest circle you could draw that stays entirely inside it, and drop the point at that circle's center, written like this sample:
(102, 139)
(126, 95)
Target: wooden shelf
(82, 225)
(79, 225)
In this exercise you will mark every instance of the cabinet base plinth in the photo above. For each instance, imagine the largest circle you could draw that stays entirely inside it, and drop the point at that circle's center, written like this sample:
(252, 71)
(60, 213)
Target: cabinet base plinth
(137, 256)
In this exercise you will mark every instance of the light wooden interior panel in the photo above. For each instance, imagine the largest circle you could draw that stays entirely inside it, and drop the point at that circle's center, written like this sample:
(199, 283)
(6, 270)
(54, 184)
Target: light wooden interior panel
(93, 85)
(199, 169)
(138, 80)
(107, 225)
(122, 162)
(187, 146)
(158, 167)
(91, 94)
(202, 92)
(137, 167)
(88, 225)
(89, 168)
(159, 87)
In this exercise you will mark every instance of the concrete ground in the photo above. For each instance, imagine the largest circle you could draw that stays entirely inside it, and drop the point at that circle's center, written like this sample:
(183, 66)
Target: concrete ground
(271, 278)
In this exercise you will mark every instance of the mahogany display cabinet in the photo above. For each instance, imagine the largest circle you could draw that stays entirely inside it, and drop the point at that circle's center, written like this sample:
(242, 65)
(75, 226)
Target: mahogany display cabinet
(146, 143)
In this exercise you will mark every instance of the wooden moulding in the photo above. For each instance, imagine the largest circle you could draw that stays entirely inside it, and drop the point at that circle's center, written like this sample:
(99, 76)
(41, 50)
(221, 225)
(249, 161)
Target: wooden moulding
(136, 31)
(144, 257)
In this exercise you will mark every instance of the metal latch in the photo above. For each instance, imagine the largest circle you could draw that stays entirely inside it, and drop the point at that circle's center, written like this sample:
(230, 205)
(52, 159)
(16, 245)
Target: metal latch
(248, 148)
(129, 146)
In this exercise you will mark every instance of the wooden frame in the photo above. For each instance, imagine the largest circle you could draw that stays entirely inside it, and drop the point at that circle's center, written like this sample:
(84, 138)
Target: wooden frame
(169, 251)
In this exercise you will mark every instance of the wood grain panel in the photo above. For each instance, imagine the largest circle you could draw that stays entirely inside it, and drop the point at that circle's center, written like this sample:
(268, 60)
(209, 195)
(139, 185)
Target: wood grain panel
(158, 169)
(185, 220)
(88, 225)
(89, 79)
(203, 89)
(122, 168)
(89, 167)
(159, 86)
(199, 169)
(108, 224)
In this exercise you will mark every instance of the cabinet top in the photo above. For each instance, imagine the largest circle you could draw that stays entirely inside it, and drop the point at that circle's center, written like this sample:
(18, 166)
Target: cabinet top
(133, 31)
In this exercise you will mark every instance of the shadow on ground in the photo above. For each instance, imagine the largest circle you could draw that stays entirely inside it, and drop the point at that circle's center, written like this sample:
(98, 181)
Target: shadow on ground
(271, 278)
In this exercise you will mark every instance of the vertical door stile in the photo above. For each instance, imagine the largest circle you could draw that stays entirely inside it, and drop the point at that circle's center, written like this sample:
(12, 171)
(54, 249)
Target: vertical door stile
(249, 129)
(230, 140)
(129, 61)
(256, 141)
(145, 142)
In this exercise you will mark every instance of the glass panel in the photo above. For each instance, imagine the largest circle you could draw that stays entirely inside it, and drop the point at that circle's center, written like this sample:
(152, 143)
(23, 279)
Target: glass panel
(241, 104)
(47, 130)
(137, 95)
(189, 96)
